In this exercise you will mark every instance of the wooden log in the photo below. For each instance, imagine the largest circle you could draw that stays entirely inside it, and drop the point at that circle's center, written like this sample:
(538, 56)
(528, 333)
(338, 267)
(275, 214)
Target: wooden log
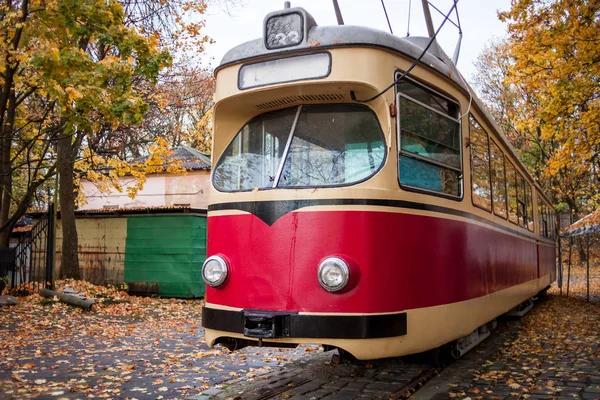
(65, 298)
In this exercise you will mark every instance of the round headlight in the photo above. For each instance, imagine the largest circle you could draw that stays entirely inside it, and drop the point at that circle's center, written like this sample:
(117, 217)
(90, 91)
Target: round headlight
(214, 271)
(334, 274)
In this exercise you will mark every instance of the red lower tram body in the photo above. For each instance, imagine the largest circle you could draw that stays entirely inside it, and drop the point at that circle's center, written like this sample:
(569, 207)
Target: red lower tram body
(421, 275)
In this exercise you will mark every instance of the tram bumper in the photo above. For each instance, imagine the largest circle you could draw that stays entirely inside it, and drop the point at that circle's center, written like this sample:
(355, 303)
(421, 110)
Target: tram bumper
(260, 324)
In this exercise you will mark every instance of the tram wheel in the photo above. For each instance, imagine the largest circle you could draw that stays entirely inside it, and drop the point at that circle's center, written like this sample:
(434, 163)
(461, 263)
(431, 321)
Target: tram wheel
(343, 356)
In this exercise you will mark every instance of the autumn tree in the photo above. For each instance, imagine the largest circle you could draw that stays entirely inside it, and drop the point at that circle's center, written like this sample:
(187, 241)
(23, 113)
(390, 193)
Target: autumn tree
(555, 47)
(76, 79)
(13, 16)
(179, 111)
(186, 114)
(542, 84)
(68, 68)
(509, 102)
(181, 102)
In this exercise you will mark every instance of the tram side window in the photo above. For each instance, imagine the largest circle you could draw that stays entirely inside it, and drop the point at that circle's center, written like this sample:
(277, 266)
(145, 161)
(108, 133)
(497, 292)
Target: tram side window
(542, 217)
(429, 156)
(547, 220)
(521, 205)
(529, 201)
(511, 184)
(480, 166)
(429, 98)
(549, 225)
(498, 180)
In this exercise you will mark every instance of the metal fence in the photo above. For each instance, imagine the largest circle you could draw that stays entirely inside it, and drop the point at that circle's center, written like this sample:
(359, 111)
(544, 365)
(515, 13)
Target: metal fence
(32, 258)
(586, 234)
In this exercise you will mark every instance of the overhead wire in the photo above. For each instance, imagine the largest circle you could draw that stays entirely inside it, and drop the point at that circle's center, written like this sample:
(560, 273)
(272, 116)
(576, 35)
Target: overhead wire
(408, 24)
(414, 64)
(458, 21)
(386, 17)
(438, 10)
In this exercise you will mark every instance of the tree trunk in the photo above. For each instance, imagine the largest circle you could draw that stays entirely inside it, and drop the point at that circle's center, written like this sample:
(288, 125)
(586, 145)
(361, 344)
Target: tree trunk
(7, 117)
(6, 169)
(70, 259)
(65, 298)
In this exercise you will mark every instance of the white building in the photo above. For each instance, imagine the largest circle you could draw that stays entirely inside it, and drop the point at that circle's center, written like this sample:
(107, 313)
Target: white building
(161, 189)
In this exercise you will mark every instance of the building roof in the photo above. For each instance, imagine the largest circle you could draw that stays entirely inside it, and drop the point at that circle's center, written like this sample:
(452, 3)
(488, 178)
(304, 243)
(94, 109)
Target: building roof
(22, 229)
(588, 224)
(124, 211)
(191, 158)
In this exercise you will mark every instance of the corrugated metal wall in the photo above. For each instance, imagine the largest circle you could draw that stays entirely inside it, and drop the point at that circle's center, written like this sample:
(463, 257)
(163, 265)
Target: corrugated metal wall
(166, 250)
(101, 249)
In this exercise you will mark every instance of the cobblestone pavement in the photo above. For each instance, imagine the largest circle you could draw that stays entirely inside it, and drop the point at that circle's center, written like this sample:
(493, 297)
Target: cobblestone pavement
(318, 377)
(486, 372)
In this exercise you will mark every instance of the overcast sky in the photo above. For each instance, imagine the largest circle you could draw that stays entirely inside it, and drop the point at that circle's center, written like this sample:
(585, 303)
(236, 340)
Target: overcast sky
(478, 19)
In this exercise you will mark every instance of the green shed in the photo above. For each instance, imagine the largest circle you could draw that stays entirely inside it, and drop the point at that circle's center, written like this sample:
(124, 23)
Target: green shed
(164, 254)
(155, 250)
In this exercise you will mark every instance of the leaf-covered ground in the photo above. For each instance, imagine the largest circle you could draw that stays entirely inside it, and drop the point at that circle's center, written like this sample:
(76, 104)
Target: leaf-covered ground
(126, 347)
(554, 354)
(143, 348)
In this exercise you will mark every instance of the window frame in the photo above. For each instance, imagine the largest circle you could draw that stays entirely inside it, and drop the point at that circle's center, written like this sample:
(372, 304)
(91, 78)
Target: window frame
(514, 169)
(529, 206)
(299, 109)
(399, 153)
(549, 220)
(491, 210)
(490, 143)
(541, 215)
(521, 213)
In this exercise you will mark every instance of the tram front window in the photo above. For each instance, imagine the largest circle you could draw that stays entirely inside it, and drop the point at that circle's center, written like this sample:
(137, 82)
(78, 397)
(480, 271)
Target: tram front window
(253, 158)
(332, 144)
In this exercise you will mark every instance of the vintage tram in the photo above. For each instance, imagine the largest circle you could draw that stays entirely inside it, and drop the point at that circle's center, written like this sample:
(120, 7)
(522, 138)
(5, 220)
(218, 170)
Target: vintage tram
(382, 227)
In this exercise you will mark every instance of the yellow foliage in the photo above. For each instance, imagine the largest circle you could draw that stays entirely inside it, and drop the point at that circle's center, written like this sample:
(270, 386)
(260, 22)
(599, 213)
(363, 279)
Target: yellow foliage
(554, 47)
(106, 174)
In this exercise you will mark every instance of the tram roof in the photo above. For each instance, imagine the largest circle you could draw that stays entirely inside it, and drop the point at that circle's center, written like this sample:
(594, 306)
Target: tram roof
(325, 37)
(320, 37)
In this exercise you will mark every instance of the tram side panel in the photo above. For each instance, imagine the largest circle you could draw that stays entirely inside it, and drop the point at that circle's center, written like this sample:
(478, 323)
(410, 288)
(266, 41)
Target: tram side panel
(547, 260)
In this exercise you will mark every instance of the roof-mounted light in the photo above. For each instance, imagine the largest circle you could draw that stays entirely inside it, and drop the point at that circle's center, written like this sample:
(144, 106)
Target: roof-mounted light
(284, 31)
(287, 28)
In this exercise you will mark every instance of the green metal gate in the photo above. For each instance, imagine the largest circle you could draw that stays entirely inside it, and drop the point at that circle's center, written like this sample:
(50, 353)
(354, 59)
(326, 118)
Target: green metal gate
(164, 254)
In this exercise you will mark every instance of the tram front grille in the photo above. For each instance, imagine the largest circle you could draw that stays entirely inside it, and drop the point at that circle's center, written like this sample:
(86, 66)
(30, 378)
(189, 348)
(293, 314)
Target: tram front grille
(301, 98)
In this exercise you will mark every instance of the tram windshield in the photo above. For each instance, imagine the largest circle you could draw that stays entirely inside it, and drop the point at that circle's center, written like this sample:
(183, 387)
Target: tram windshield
(319, 145)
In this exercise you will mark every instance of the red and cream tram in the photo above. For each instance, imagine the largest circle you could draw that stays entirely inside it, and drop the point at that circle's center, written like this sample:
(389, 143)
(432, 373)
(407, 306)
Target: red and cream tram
(382, 228)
